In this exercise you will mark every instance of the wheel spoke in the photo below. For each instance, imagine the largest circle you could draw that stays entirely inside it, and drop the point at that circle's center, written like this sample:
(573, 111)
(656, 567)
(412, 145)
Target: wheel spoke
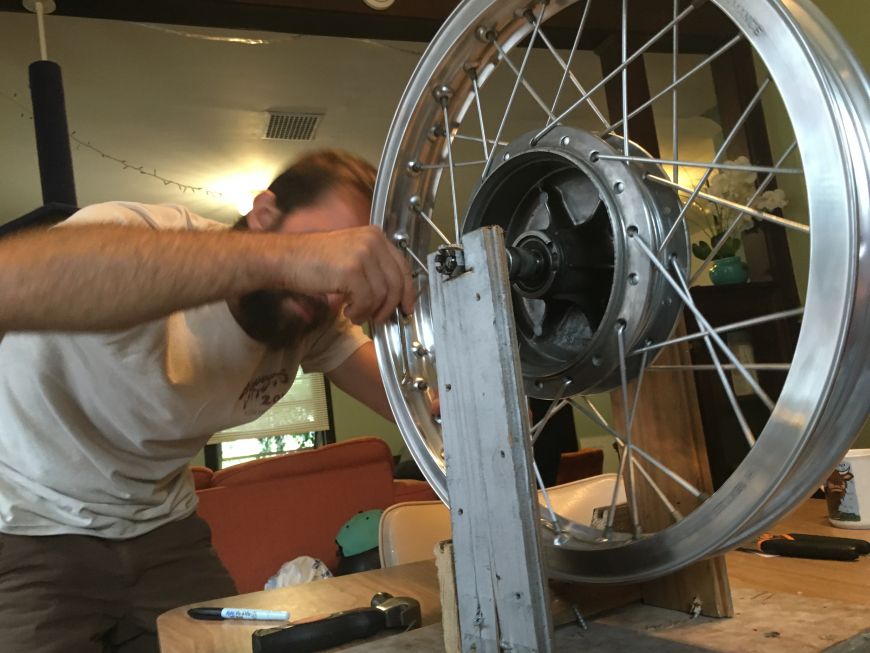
(738, 219)
(461, 137)
(546, 496)
(673, 85)
(702, 321)
(402, 243)
(757, 367)
(557, 405)
(678, 223)
(728, 204)
(441, 166)
(675, 134)
(717, 365)
(472, 74)
(624, 66)
(588, 409)
(418, 209)
(567, 73)
(700, 164)
(771, 317)
(613, 73)
(611, 513)
(521, 77)
(513, 94)
(399, 322)
(448, 138)
(629, 423)
(567, 66)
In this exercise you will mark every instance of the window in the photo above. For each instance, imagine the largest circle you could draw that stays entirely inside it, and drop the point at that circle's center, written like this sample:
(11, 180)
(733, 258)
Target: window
(294, 422)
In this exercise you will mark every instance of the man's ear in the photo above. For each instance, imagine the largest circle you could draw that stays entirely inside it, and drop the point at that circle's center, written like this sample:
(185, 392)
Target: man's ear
(265, 213)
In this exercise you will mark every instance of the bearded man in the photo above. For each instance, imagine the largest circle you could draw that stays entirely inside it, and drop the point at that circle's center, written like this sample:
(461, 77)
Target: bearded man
(98, 531)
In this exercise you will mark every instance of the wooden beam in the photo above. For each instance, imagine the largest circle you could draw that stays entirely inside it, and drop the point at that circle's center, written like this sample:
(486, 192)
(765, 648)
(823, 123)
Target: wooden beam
(404, 21)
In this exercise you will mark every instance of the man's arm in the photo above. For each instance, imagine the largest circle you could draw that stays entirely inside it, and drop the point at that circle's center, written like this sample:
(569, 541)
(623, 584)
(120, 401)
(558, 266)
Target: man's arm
(360, 377)
(106, 277)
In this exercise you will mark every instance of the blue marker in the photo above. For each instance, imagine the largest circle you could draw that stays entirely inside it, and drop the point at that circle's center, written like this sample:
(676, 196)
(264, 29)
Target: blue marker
(218, 614)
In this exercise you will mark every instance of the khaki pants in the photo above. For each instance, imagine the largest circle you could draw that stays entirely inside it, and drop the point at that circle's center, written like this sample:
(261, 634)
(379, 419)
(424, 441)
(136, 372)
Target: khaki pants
(80, 594)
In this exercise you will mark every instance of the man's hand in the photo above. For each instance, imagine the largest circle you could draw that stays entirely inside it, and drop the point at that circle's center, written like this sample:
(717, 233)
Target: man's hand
(359, 264)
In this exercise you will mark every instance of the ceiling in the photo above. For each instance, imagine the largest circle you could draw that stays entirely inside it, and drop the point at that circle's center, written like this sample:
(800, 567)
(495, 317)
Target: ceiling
(169, 113)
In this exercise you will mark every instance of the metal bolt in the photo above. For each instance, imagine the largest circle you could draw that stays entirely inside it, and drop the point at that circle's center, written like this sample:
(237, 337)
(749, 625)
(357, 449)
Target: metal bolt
(581, 622)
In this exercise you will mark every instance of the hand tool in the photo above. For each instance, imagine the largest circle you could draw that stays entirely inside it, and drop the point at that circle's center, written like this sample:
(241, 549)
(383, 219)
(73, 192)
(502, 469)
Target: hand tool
(799, 546)
(386, 612)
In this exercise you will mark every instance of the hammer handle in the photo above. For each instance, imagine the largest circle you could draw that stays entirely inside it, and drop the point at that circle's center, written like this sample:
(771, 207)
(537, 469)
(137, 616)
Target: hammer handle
(312, 636)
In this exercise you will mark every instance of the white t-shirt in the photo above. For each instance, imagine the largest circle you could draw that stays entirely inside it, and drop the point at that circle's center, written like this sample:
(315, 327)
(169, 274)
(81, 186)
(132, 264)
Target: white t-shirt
(97, 429)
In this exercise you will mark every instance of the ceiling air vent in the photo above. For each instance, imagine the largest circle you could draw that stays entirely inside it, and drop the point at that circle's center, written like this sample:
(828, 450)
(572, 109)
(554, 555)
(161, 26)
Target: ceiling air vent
(292, 125)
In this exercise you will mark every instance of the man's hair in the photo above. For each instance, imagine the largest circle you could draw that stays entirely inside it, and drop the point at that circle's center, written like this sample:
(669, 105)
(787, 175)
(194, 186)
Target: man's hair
(317, 173)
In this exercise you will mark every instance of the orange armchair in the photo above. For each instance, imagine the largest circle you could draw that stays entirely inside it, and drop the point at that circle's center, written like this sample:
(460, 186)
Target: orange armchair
(266, 512)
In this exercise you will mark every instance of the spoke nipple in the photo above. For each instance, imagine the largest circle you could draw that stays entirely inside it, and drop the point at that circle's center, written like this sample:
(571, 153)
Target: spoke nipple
(420, 384)
(415, 202)
(561, 539)
(419, 349)
(506, 156)
(401, 239)
(631, 231)
(412, 167)
(436, 132)
(442, 93)
(486, 34)
(565, 141)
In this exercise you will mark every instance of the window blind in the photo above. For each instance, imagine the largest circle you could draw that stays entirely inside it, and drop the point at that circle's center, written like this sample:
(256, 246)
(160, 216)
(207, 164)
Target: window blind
(301, 410)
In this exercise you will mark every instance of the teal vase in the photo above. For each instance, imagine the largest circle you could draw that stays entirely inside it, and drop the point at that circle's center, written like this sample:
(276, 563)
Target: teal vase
(728, 270)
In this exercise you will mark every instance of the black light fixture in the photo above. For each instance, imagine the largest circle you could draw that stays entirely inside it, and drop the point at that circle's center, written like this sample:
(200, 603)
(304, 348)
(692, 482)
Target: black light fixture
(52, 135)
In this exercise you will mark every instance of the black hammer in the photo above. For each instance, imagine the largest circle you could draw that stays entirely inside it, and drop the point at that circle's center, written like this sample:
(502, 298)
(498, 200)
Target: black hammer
(386, 612)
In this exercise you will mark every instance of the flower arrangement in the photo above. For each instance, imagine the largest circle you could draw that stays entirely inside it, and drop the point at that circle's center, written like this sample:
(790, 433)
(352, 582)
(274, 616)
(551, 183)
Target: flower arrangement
(737, 186)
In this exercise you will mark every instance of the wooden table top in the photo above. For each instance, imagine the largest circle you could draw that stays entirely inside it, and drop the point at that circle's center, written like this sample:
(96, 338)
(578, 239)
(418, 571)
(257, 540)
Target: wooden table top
(179, 633)
(842, 581)
(827, 579)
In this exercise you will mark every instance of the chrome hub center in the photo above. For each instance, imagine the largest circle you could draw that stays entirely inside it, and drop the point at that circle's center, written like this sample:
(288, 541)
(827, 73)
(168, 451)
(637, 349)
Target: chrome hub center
(570, 218)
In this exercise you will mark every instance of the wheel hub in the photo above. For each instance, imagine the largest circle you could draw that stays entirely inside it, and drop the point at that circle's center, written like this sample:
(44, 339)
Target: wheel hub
(568, 216)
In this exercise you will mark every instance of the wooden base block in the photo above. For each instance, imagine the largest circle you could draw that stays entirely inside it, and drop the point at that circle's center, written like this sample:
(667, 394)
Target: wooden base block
(764, 622)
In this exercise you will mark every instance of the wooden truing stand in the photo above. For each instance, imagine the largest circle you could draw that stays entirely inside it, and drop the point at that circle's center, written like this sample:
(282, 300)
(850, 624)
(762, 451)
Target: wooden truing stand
(500, 590)
(499, 571)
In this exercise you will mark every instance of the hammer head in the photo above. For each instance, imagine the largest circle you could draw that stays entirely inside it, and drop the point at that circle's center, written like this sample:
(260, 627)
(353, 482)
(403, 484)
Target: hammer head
(399, 611)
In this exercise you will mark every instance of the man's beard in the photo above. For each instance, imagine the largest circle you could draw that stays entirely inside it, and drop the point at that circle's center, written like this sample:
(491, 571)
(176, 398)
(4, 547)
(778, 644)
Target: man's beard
(265, 317)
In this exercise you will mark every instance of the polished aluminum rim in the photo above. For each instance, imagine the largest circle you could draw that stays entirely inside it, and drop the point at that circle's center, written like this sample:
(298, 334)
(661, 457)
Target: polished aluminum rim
(419, 198)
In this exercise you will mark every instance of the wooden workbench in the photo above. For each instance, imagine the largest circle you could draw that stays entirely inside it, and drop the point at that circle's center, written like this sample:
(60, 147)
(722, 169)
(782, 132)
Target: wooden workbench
(781, 604)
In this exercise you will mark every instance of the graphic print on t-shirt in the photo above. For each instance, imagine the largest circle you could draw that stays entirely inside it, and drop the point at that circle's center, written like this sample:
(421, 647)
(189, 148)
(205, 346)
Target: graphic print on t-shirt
(263, 392)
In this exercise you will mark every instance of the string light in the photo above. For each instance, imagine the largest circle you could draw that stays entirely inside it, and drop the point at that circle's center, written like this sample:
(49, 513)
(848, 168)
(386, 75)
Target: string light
(125, 165)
